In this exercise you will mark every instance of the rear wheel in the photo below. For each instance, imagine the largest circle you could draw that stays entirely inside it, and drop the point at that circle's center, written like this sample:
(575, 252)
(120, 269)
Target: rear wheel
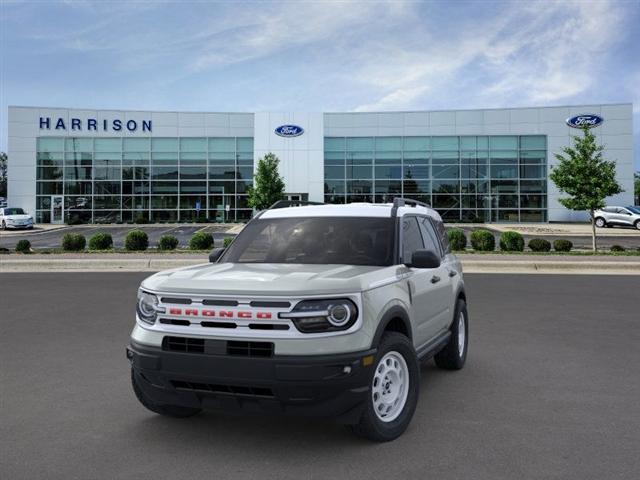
(166, 410)
(454, 354)
(637, 224)
(4, 225)
(393, 392)
(600, 223)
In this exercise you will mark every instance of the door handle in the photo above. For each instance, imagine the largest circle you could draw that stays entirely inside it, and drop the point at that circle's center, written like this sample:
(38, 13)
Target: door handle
(435, 279)
(452, 273)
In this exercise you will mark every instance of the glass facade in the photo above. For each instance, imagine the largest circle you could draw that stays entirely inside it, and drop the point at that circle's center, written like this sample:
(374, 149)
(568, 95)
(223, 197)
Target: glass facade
(108, 180)
(498, 178)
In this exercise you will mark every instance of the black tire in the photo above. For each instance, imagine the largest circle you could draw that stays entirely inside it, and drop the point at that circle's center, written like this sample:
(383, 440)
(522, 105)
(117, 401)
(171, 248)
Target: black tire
(175, 411)
(637, 224)
(450, 358)
(4, 225)
(600, 222)
(371, 426)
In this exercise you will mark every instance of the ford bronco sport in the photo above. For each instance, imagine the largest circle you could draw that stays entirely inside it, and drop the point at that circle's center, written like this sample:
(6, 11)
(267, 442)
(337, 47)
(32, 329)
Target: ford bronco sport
(312, 310)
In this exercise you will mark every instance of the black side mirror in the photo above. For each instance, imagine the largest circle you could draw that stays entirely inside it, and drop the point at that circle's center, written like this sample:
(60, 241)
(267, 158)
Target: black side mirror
(215, 254)
(424, 259)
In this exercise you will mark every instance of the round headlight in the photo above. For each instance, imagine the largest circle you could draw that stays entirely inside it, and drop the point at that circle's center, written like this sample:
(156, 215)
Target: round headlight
(147, 307)
(338, 314)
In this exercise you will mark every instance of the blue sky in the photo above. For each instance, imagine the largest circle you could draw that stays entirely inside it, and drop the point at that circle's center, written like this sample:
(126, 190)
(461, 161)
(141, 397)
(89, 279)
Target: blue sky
(318, 56)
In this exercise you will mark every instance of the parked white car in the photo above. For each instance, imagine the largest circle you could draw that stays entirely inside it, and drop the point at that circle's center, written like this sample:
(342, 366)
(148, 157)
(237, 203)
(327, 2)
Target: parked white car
(15, 218)
(622, 216)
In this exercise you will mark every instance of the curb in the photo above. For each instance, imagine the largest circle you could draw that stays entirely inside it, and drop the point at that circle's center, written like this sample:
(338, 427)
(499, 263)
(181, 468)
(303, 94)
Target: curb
(156, 264)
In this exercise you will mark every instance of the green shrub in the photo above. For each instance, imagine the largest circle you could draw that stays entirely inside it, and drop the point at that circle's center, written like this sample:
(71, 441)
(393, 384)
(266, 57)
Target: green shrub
(167, 242)
(141, 220)
(562, 245)
(73, 242)
(100, 241)
(457, 239)
(23, 246)
(227, 241)
(539, 245)
(74, 220)
(617, 248)
(483, 240)
(201, 241)
(511, 242)
(136, 240)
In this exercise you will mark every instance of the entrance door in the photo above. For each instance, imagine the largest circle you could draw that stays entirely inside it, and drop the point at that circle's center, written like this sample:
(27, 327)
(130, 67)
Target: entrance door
(57, 209)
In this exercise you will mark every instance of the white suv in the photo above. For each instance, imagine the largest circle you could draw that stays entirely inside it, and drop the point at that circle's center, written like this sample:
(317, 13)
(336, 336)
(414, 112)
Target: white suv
(621, 216)
(312, 310)
(15, 218)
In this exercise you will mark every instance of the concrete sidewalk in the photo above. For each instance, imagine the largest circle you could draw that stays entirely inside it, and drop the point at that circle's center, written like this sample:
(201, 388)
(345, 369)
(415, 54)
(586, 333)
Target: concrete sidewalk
(551, 229)
(472, 263)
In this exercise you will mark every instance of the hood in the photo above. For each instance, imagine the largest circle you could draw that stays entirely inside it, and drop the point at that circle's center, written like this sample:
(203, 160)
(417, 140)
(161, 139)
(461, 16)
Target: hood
(18, 217)
(267, 279)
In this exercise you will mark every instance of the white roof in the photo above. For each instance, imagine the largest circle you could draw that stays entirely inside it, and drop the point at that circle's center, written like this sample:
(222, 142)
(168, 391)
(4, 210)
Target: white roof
(348, 210)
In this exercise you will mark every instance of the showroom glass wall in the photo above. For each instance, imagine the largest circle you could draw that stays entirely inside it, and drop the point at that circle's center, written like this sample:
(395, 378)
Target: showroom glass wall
(466, 178)
(107, 180)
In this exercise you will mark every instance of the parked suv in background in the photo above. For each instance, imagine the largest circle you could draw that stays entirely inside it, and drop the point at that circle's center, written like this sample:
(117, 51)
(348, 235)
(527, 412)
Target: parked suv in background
(623, 216)
(312, 310)
(15, 218)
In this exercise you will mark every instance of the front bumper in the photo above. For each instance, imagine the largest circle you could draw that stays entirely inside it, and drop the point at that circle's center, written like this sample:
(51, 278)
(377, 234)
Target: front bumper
(327, 385)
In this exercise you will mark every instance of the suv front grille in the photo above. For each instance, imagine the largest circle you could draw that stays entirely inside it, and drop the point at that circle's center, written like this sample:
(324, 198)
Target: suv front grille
(218, 347)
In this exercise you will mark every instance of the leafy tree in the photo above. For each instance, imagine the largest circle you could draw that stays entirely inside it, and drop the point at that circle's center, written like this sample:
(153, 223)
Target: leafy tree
(585, 177)
(268, 185)
(3, 174)
(636, 187)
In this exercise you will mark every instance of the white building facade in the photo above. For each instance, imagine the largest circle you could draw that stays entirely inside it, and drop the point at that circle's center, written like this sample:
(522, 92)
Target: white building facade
(105, 166)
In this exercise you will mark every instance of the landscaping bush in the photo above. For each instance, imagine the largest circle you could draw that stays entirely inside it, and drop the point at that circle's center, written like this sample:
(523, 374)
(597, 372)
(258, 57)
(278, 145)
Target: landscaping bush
(562, 245)
(141, 220)
(73, 242)
(227, 241)
(74, 220)
(201, 241)
(167, 242)
(539, 245)
(483, 240)
(617, 248)
(101, 241)
(23, 246)
(457, 239)
(511, 242)
(136, 240)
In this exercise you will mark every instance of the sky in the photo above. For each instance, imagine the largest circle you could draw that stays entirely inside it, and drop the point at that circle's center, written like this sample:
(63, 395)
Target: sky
(318, 55)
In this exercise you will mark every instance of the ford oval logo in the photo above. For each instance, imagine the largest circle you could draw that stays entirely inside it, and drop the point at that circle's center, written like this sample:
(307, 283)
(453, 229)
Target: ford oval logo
(289, 131)
(587, 120)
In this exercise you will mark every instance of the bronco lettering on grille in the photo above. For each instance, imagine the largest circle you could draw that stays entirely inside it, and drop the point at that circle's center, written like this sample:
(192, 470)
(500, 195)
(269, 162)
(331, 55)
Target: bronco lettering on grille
(193, 312)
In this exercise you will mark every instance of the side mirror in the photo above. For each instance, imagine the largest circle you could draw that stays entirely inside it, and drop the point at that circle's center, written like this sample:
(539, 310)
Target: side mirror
(424, 259)
(215, 254)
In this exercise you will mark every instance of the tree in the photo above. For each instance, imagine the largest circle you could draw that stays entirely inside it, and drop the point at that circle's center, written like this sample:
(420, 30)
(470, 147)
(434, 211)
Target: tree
(268, 185)
(636, 187)
(3, 174)
(585, 177)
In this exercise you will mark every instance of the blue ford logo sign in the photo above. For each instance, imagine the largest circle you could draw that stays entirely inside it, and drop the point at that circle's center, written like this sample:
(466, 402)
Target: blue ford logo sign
(289, 131)
(587, 120)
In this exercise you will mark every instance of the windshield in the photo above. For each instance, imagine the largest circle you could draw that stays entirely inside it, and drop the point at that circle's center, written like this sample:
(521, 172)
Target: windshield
(317, 240)
(634, 210)
(13, 211)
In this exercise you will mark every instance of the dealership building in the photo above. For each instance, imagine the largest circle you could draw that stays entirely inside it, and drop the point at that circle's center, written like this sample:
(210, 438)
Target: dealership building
(107, 166)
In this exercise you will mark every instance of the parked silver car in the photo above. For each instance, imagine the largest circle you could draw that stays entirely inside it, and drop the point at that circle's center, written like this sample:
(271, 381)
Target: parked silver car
(622, 216)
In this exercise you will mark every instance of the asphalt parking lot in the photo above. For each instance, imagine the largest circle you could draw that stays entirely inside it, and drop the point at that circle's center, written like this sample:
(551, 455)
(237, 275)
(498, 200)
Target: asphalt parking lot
(53, 238)
(550, 390)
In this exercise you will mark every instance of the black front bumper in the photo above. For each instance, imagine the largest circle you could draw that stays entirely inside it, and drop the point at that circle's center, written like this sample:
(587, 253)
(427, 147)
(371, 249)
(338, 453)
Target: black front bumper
(327, 385)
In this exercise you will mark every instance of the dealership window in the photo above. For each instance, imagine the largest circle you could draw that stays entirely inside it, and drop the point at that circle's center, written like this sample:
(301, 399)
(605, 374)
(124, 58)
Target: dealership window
(160, 179)
(479, 178)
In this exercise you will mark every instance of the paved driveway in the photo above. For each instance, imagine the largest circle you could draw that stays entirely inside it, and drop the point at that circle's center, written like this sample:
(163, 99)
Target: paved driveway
(550, 391)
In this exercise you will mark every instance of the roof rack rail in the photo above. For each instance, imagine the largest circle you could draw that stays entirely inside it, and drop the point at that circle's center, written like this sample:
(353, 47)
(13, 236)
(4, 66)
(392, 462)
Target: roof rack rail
(401, 202)
(292, 203)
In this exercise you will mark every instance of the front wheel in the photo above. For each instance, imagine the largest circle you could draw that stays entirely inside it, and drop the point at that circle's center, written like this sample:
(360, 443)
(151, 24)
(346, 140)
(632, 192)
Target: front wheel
(637, 224)
(4, 225)
(600, 223)
(393, 392)
(454, 354)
